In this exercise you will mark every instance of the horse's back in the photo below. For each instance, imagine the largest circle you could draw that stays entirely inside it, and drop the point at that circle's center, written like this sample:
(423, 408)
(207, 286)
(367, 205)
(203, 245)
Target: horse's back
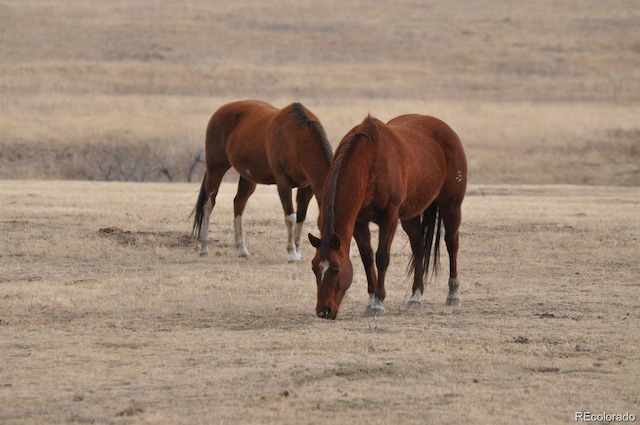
(236, 136)
(236, 119)
(428, 128)
(266, 144)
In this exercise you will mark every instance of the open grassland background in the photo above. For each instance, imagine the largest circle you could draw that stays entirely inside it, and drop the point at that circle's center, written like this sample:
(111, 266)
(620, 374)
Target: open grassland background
(108, 315)
(540, 92)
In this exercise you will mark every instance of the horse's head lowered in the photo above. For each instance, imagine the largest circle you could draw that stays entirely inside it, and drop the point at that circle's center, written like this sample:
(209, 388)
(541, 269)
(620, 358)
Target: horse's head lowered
(334, 273)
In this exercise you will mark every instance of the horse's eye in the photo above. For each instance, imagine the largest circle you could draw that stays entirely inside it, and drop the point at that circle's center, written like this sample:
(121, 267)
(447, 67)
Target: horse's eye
(335, 272)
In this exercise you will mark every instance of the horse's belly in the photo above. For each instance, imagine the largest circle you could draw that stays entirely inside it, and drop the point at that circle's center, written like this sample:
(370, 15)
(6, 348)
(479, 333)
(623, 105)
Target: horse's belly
(259, 175)
(413, 208)
(418, 199)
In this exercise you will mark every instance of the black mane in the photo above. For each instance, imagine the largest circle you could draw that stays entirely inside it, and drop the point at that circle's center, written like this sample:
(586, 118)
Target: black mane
(301, 118)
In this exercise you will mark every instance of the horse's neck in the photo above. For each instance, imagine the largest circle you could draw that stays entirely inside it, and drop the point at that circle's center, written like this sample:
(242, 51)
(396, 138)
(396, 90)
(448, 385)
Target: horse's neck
(350, 197)
(350, 192)
(317, 172)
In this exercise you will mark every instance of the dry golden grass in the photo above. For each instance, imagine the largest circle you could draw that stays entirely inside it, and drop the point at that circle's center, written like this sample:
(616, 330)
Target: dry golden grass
(108, 315)
(539, 92)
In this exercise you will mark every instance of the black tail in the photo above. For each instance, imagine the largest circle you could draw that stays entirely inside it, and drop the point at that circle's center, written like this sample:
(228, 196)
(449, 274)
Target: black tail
(431, 224)
(198, 211)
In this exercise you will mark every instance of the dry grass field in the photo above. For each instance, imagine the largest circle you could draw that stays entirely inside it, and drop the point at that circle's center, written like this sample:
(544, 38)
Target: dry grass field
(108, 315)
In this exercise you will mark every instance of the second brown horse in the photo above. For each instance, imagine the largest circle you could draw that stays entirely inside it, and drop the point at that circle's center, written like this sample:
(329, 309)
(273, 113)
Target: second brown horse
(412, 169)
(286, 147)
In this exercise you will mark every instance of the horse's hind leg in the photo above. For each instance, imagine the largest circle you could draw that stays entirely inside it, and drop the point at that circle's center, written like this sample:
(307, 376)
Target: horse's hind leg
(303, 197)
(413, 229)
(211, 186)
(245, 190)
(451, 217)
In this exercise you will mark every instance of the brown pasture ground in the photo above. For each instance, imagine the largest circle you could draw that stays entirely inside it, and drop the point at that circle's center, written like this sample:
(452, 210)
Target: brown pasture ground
(108, 316)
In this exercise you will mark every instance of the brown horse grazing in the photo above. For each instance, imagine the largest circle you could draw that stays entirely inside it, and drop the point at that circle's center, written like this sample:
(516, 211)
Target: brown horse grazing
(287, 147)
(414, 169)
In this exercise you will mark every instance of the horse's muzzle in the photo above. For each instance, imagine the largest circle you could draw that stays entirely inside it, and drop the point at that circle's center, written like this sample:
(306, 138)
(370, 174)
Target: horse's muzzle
(328, 313)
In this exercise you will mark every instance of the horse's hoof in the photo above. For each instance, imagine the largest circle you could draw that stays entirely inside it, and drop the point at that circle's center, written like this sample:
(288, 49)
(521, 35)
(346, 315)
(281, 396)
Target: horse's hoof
(203, 252)
(414, 305)
(294, 257)
(454, 302)
(374, 311)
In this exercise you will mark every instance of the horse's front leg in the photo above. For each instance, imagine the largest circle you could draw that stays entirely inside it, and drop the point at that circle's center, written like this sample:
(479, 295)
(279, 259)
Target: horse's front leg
(388, 225)
(362, 235)
(290, 219)
(303, 198)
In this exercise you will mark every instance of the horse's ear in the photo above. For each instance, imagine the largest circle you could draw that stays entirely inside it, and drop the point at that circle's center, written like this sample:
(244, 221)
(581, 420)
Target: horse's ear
(315, 242)
(335, 242)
